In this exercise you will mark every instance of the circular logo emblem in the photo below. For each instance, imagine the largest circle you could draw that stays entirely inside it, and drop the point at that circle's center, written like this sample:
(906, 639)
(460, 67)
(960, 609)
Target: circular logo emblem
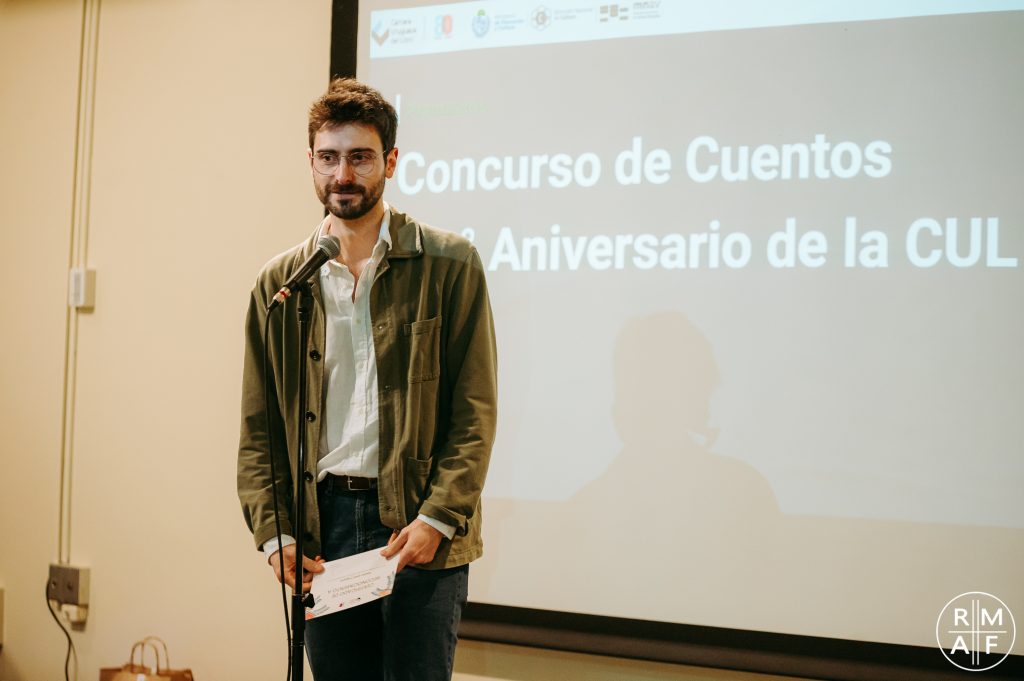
(975, 631)
(481, 24)
(541, 18)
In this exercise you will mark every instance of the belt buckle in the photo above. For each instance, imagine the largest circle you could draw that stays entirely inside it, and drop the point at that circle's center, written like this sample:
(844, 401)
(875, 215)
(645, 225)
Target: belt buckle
(363, 485)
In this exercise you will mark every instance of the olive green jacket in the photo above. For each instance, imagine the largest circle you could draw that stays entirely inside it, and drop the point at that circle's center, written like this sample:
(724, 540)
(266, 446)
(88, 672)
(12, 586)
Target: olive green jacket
(434, 342)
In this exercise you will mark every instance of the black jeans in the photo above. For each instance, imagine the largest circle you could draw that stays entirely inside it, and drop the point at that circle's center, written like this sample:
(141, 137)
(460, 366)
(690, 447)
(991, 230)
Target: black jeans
(407, 636)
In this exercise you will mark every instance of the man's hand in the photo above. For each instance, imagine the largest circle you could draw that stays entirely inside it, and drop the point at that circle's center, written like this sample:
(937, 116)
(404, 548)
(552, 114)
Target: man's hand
(309, 567)
(416, 544)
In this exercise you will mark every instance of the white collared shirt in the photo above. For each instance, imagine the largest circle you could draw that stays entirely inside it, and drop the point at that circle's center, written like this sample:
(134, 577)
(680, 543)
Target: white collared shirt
(350, 429)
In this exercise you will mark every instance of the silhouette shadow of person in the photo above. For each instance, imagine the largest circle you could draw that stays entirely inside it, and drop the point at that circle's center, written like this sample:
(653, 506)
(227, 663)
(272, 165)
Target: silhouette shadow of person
(706, 521)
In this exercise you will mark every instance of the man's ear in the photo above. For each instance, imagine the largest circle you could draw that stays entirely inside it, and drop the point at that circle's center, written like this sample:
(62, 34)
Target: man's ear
(391, 162)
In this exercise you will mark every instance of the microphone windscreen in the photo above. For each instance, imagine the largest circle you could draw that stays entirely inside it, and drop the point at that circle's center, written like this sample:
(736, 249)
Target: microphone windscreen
(329, 245)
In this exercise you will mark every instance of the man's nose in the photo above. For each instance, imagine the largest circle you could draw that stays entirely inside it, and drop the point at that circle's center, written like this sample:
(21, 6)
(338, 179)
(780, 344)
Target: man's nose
(344, 172)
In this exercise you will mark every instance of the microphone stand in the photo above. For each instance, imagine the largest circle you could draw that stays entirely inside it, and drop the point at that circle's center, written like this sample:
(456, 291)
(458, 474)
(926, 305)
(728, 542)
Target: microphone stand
(300, 600)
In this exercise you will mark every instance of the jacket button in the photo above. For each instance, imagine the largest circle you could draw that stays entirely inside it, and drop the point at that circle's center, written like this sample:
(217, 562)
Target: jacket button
(387, 387)
(380, 327)
(387, 508)
(314, 355)
(308, 476)
(310, 416)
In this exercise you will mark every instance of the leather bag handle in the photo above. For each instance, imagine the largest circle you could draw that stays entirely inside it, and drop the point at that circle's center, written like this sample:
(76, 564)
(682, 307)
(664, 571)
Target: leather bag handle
(167, 656)
(141, 646)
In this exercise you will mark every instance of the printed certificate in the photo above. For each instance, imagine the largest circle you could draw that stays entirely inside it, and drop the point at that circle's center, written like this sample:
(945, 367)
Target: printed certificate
(352, 581)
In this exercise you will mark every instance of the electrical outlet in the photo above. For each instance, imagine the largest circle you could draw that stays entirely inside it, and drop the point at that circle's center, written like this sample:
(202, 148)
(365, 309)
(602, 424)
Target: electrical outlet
(75, 615)
(68, 585)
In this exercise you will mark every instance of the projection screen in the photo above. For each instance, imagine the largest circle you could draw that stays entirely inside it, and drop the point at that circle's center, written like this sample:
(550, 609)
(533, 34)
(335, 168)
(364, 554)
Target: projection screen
(756, 273)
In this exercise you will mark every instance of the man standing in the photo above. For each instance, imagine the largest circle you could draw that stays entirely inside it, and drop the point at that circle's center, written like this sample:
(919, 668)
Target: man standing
(402, 404)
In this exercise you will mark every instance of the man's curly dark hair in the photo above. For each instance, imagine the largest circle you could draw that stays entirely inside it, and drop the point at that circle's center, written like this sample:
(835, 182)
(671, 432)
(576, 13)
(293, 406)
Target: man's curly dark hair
(349, 101)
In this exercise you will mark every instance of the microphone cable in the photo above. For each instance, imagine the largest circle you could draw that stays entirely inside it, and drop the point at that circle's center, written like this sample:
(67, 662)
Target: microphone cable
(328, 247)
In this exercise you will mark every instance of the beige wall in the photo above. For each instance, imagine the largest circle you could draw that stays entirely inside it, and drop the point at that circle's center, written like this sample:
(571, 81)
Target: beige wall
(38, 75)
(198, 176)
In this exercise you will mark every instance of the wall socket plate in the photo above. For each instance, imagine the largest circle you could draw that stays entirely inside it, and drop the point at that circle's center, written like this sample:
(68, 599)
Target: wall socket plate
(68, 584)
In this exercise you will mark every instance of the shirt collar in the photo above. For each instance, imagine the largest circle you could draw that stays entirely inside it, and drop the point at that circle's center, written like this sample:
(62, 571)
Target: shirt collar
(385, 225)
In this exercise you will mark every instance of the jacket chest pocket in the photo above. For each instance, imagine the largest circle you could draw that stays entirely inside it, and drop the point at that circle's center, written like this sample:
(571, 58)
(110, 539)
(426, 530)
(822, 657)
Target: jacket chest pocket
(423, 339)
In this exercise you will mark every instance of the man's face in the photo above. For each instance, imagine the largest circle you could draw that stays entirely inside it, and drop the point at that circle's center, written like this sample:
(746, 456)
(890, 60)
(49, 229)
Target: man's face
(345, 193)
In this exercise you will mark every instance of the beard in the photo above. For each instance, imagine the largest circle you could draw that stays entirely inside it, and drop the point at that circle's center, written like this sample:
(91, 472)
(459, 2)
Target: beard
(350, 209)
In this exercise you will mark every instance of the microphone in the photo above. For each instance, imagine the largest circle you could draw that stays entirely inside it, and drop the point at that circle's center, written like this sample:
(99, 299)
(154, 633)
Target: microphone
(328, 248)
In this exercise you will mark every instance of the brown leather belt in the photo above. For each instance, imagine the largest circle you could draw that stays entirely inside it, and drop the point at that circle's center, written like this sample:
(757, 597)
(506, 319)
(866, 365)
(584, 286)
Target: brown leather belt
(348, 483)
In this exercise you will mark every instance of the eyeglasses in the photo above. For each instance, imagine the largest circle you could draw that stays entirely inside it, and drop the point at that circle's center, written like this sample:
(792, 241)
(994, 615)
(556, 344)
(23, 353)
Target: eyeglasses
(361, 162)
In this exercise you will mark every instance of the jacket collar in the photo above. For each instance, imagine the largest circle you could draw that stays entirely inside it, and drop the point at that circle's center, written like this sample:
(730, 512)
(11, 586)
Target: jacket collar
(406, 236)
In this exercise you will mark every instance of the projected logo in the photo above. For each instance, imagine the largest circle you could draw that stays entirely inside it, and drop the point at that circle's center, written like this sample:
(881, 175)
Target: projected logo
(380, 33)
(975, 631)
(443, 26)
(541, 18)
(481, 24)
(647, 9)
(613, 13)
